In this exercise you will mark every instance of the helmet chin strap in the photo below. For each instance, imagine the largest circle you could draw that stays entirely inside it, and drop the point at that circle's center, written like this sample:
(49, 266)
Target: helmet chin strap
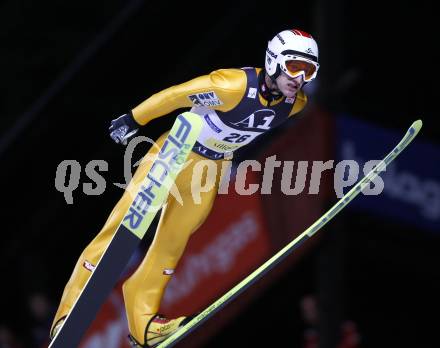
(269, 92)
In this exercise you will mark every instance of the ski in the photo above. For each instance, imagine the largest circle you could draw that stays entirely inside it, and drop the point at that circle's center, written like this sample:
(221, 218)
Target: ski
(309, 232)
(146, 203)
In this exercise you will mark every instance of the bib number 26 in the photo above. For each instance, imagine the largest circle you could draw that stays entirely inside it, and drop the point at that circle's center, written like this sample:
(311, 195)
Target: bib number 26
(236, 138)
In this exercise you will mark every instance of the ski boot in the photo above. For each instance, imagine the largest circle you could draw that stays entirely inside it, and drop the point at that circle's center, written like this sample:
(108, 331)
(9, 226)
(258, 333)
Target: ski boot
(159, 329)
(56, 328)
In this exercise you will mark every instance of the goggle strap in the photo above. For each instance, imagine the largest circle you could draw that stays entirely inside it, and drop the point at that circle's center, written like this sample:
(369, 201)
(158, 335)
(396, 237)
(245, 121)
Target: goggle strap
(301, 54)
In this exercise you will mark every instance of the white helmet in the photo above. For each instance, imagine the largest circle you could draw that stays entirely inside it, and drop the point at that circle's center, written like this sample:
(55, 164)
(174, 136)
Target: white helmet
(293, 51)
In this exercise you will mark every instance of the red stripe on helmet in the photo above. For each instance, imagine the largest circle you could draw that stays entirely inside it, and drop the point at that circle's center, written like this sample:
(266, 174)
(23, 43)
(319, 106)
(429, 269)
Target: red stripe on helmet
(300, 32)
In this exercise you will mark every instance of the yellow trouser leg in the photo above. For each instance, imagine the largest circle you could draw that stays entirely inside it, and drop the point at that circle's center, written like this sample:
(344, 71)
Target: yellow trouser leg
(143, 291)
(95, 249)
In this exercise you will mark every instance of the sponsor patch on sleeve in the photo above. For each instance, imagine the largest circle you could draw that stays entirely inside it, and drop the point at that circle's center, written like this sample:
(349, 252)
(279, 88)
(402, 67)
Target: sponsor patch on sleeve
(252, 92)
(89, 266)
(205, 99)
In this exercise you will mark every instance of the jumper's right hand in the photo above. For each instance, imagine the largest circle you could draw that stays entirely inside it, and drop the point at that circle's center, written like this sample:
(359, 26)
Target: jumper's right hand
(122, 128)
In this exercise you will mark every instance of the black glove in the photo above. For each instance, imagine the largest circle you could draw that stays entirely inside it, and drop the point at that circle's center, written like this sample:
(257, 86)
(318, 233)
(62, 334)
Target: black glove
(123, 128)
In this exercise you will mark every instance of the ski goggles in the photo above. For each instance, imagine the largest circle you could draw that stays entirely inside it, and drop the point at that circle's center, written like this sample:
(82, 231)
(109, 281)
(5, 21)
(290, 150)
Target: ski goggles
(300, 66)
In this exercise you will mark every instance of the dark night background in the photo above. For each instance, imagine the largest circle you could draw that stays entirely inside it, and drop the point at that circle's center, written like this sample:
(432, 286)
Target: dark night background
(68, 68)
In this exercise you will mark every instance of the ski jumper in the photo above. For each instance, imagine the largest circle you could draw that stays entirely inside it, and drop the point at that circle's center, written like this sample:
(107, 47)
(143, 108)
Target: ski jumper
(234, 114)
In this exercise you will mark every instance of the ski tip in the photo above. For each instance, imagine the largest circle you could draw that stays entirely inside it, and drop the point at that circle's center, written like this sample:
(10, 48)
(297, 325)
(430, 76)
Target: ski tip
(417, 125)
